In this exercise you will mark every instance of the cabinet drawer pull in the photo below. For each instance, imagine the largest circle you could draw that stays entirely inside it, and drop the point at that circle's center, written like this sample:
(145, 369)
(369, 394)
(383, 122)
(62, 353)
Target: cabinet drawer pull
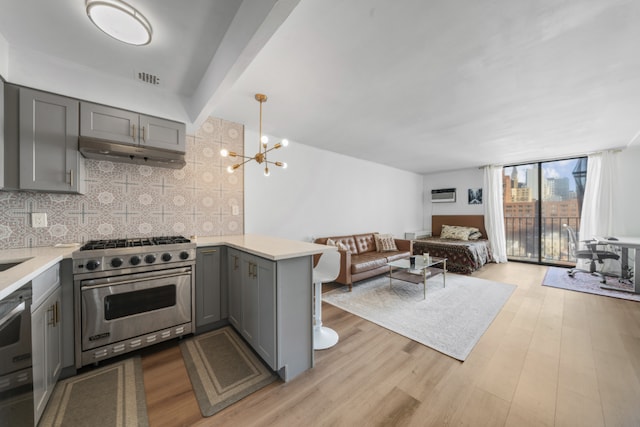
(210, 251)
(51, 318)
(253, 270)
(144, 139)
(133, 132)
(71, 177)
(56, 312)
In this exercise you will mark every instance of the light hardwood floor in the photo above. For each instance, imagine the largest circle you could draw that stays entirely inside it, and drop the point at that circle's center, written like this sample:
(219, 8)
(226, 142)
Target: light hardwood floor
(550, 358)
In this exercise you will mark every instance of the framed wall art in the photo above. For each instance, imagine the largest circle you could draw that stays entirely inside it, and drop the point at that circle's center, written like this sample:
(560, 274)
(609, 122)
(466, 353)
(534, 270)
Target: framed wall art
(475, 196)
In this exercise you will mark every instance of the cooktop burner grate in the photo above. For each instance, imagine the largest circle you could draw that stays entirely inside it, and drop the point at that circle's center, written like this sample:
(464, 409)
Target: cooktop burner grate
(170, 240)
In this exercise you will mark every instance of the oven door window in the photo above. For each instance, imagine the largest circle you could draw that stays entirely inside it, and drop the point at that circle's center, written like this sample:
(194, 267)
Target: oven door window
(139, 301)
(10, 331)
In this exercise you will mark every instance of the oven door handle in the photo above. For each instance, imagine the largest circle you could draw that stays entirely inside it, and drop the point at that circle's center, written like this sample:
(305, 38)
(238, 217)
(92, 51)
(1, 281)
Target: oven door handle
(17, 310)
(143, 277)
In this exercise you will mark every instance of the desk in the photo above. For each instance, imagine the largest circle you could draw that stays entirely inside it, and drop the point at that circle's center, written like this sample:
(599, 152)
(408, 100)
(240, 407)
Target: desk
(626, 243)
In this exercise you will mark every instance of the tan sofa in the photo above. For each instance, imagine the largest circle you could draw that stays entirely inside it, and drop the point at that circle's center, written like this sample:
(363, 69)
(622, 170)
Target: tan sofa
(361, 260)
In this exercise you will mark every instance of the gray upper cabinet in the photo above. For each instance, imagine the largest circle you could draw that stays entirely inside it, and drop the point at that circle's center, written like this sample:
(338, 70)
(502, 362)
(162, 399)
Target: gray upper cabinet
(161, 133)
(101, 122)
(126, 127)
(41, 142)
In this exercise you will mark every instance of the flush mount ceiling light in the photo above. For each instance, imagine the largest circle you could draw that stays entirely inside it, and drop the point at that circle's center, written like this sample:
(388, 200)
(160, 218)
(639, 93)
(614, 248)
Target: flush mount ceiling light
(120, 21)
(261, 156)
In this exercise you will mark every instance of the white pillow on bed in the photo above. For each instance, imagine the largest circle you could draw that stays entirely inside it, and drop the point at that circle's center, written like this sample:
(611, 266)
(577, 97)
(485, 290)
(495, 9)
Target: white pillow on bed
(457, 232)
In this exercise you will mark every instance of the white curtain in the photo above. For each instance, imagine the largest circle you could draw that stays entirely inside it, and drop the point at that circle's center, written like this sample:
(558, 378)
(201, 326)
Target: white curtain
(597, 208)
(493, 212)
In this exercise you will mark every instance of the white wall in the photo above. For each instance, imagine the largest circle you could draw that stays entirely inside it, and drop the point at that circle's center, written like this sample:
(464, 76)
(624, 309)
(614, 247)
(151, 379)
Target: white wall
(4, 57)
(462, 181)
(627, 199)
(26, 67)
(327, 194)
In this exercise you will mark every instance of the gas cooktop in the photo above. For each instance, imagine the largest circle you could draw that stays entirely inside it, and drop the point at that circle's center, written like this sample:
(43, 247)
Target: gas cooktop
(147, 252)
(132, 243)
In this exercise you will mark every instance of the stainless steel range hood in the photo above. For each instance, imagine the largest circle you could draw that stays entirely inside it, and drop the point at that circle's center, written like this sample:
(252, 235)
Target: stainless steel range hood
(107, 150)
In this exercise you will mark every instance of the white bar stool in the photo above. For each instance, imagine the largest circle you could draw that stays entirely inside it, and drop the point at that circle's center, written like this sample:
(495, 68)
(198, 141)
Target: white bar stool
(327, 270)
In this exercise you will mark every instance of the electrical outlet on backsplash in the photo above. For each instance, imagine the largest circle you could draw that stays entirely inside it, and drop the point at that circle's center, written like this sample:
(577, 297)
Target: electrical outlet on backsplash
(126, 200)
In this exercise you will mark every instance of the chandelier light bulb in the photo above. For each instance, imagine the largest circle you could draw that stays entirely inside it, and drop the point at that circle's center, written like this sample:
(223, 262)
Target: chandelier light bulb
(284, 142)
(230, 169)
(266, 171)
(264, 139)
(224, 152)
(284, 165)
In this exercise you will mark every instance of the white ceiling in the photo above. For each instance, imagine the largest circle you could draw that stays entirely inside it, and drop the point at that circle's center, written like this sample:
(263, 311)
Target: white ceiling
(424, 86)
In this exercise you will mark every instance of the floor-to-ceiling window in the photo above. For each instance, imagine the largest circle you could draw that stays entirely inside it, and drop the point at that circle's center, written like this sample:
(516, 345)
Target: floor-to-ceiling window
(538, 199)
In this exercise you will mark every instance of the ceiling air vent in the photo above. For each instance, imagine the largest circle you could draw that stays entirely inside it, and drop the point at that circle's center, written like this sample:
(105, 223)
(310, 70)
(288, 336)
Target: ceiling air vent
(147, 78)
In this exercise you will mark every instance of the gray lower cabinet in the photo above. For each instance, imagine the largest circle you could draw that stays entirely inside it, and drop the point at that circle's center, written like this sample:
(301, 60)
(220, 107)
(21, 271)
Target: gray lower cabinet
(211, 298)
(252, 309)
(66, 319)
(234, 279)
(270, 305)
(46, 337)
(41, 142)
(127, 127)
(258, 285)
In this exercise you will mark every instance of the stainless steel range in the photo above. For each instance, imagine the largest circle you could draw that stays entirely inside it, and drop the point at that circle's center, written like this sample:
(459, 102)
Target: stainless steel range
(130, 294)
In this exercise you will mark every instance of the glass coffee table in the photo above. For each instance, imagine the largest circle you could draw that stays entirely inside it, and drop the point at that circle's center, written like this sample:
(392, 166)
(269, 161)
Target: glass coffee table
(418, 273)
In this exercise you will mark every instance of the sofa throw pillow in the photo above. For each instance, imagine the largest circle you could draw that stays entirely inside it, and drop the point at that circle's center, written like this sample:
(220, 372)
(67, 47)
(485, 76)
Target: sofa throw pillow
(341, 246)
(455, 232)
(385, 243)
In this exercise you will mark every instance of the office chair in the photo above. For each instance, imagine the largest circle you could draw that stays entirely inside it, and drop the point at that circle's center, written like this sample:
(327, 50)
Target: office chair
(591, 253)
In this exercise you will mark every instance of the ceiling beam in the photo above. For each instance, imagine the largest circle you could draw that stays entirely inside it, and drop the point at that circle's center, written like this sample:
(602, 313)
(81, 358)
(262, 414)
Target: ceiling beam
(253, 25)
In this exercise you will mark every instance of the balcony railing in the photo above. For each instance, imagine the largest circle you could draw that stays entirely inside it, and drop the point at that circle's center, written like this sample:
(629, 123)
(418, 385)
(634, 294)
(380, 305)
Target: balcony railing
(524, 236)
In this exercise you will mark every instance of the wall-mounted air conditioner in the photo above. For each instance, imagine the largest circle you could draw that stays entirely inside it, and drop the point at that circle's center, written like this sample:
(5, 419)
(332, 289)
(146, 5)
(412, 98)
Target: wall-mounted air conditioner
(443, 195)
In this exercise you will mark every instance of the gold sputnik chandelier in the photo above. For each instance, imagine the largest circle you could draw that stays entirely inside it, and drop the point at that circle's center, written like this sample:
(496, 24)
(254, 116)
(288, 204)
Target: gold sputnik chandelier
(261, 155)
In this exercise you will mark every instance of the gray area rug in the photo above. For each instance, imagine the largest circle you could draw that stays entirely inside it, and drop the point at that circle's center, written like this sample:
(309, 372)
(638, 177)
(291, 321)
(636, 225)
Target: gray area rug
(111, 395)
(222, 369)
(450, 320)
(557, 277)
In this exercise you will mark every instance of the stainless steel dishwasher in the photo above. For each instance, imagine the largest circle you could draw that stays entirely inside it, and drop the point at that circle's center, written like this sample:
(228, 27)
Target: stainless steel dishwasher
(16, 377)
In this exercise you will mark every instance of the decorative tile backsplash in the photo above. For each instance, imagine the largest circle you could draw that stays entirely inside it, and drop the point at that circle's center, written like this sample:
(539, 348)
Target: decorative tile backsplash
(125, 200)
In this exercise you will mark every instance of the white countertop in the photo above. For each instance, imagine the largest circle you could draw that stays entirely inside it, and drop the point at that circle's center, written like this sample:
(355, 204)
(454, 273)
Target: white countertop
(40, 259)
(37, 261)
(273, 248)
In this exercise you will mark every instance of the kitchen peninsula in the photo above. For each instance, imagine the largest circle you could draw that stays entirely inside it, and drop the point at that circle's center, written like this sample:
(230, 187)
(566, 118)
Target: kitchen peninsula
(266, 282)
